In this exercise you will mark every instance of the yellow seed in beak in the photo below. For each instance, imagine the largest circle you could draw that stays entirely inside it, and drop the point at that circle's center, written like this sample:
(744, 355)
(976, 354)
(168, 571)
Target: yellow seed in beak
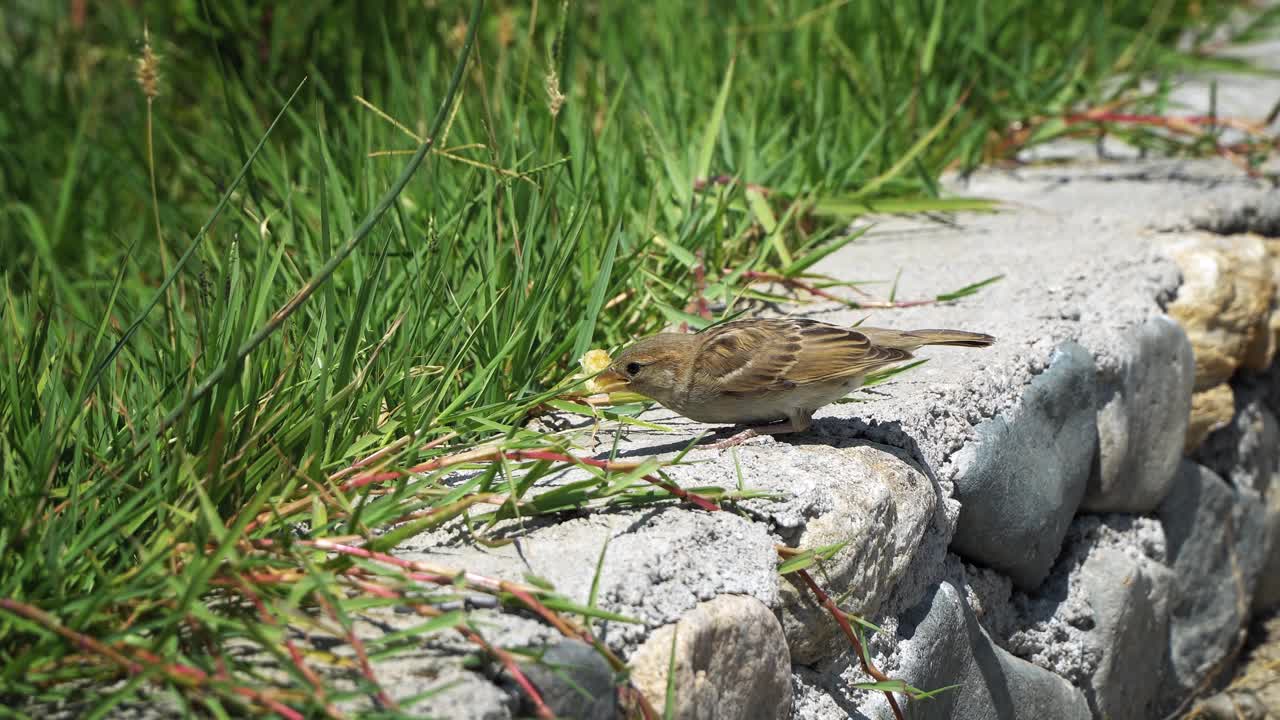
(595, 361)
(608, 381)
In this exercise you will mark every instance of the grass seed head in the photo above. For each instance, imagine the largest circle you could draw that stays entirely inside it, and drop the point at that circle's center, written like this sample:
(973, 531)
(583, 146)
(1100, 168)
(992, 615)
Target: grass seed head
(555, 98)
(147, 68)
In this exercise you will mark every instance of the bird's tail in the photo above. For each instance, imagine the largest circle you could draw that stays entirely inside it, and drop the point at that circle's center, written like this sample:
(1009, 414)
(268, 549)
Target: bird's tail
(916, 338)
(959, 338)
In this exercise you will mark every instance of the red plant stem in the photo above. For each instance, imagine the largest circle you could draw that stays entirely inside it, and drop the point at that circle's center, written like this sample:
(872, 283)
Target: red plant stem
(260, 577)
(792, 283)
(1177, 123)
(80, 640)
(79, 12)
(373, 457)
(362, 657)
(512, 667)
(1139, 119)
(461, 503)
(698, 305)
(491, 455)
(446, 576)
(295, 654)
(843, 621)
(419, 570)
(892, 304)
(566, 628)
(569, 630)
(634, 695)
(679, 492)
(502, 656)
(542, 611)
(525, 595)
(384, 452)
(479, 455)
(220, 663)
(702, 183)
(1186, 125)
(175, 672)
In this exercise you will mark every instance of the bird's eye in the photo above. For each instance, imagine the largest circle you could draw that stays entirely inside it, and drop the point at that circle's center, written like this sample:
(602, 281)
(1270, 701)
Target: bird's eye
(633, 368)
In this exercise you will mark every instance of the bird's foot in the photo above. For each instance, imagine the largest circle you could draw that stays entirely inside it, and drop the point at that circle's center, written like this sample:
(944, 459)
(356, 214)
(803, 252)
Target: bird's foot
(799, 423)
(736, 440)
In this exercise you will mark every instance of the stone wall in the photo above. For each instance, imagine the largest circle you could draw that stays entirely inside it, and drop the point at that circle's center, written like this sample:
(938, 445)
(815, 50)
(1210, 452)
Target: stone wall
(1080, 527)
(1117, 583)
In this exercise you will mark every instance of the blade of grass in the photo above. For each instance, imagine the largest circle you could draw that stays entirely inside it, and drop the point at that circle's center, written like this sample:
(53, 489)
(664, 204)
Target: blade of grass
(712, 131)
(910, 155)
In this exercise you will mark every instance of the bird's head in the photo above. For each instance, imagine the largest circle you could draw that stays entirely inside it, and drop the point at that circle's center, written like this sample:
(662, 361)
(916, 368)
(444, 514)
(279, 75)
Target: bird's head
(652, 367)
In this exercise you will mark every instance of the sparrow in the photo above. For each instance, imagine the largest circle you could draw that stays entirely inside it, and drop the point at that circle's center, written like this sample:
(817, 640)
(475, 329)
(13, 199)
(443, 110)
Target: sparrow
(769, 373)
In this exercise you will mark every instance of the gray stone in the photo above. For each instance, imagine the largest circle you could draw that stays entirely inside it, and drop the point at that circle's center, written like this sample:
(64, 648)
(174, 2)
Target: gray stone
(1101, 612)
(941, 643)
(1131, 618)
(1216, 544)
(730, 660)
(1267, 594)
(870, 498)
(1247, 451)
(1144, 402)
(1073, 246)
(1021, 482)
(1078, 266)
(575, 681)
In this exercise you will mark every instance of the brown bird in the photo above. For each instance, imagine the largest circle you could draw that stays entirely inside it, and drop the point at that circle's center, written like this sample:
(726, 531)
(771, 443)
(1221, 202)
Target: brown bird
(764, 370)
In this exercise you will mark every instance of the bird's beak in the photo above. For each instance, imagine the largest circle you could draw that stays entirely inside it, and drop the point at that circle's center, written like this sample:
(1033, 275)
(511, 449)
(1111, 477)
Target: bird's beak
(611, 381)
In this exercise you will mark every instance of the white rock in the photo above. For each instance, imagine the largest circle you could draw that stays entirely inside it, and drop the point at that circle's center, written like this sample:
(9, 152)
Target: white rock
(1224, 302)
(730, 660)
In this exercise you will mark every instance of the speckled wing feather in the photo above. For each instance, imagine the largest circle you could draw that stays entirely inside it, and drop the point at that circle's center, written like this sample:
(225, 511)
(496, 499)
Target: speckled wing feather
(751, 356)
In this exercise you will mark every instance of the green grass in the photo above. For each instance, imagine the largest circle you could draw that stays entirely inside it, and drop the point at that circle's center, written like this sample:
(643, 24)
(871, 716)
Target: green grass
(173, 365)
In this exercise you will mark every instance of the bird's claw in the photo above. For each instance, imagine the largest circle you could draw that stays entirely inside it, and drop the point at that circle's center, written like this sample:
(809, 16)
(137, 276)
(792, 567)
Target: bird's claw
(736, 440)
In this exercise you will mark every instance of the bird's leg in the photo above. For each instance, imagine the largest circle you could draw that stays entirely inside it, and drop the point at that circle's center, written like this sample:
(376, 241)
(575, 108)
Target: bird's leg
(799, 421)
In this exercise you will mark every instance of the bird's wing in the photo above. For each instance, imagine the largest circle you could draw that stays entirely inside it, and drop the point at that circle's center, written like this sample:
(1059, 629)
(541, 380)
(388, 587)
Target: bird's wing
(763, 355)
